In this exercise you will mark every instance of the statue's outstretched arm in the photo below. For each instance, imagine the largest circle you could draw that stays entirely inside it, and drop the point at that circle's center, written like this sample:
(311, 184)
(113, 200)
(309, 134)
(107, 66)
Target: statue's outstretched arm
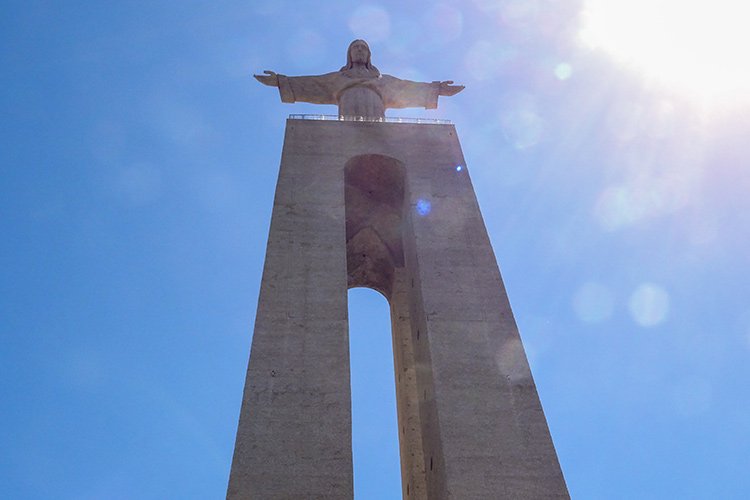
(319, 89)
(398, 93)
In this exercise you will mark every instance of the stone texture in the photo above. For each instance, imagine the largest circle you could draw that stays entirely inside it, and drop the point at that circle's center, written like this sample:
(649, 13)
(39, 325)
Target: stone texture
(351, 209)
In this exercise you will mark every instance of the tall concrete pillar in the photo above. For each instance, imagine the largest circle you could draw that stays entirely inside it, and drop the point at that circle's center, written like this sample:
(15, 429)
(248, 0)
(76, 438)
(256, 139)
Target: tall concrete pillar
(389, 206)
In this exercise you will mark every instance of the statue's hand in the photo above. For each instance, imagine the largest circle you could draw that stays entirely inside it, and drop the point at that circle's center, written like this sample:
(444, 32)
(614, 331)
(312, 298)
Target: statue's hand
(269, 78)
(446, 88)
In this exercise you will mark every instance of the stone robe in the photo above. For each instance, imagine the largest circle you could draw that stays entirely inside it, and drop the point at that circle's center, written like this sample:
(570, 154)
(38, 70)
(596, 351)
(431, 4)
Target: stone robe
(359, 96)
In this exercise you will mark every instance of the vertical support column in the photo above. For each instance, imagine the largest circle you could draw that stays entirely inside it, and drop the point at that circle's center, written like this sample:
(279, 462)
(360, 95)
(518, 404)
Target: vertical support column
(407, 395)
(485, 434)
(294, 434)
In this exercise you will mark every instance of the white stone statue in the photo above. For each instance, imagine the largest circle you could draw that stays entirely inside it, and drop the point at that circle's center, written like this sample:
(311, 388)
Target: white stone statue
(358, 88)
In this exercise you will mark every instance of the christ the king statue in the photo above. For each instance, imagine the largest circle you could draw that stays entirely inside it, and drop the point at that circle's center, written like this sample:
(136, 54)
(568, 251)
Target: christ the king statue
(358, 88)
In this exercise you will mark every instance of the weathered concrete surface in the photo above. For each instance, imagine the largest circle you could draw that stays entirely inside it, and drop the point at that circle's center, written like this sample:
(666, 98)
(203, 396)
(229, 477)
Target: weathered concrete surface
(383, 205)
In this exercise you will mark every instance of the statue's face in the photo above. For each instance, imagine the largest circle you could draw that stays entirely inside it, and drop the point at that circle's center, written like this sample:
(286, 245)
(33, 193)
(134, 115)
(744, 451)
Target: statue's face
(359, 53)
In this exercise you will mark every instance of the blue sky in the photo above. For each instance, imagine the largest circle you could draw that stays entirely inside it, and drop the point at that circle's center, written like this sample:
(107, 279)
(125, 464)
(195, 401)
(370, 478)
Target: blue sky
(139, 161)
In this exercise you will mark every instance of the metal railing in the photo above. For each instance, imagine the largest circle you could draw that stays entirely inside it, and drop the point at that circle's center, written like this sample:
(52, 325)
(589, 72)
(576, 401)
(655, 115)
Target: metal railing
(387, 119)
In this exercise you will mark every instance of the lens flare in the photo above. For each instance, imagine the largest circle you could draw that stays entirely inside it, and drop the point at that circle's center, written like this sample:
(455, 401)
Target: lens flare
(649, 305)
(698, 47)
(522, 127)
(424, 207)
(563, 71)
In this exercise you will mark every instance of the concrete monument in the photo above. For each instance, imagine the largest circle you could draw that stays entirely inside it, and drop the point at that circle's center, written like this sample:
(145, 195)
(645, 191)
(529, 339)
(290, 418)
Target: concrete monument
(364, 201)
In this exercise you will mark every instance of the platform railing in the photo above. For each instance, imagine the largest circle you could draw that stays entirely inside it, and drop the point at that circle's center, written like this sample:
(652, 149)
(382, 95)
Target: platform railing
(387, 119)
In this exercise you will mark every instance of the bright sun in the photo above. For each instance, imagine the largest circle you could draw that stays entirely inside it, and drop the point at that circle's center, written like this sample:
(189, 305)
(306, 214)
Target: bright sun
(696, 46)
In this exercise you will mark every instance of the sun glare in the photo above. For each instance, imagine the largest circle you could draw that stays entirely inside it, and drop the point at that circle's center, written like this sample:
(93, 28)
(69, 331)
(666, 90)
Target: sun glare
(694, 46)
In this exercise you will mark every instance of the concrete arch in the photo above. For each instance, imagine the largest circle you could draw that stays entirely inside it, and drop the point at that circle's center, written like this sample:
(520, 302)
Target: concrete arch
(374, 199)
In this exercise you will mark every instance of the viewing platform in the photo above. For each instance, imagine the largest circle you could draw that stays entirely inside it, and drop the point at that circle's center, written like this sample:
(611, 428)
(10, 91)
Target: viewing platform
(387, 119)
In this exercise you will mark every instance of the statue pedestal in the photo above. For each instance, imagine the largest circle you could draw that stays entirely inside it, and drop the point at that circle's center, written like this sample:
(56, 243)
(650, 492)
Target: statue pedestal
(384, 205)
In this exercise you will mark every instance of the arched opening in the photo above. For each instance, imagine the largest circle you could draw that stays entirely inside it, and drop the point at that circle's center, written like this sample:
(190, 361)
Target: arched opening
(374, 208)
(375, 258)
(375, 446)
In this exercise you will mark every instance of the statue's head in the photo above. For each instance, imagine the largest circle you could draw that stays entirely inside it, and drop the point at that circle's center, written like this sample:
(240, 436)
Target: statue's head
(358, 54)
